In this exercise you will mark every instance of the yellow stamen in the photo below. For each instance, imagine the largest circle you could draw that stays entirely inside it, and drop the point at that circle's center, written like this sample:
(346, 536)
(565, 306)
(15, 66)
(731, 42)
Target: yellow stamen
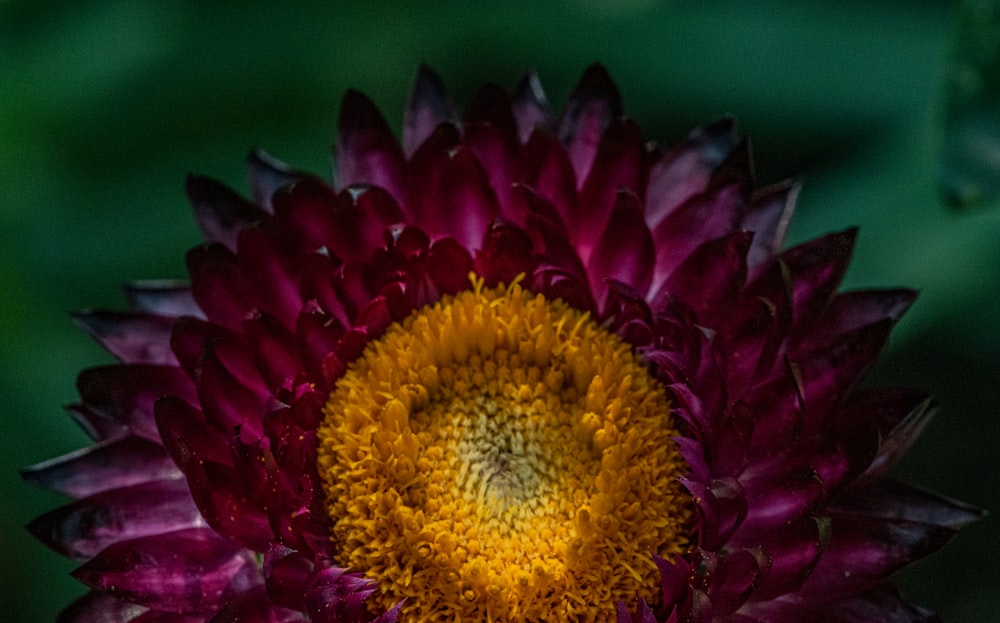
(499, 456)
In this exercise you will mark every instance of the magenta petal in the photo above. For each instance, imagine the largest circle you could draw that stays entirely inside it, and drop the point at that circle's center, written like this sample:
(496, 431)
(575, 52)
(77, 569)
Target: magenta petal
(619, 166)
(270, 273)
(267, 174)
(82, 529)
(643, 614)
(428, 108)
(594, 104)
(489, 131)
(903, 421)
(625, 250)
(367, 151)
(871, 548)
(458, 200)
(274, 349)
(881, 604)
(338, 597)
(506, 252)
(159, 616)
(220, 212)
(254, 606)
(549, 173)
(108, 465)
(223, 498)
(98, 607)
(768, 217)
(709, 281)
(850, 311)
(130, 337)
(165, 297)
(187, 435)
(127, 393)
(703, 217)
(816, 268)
(219, 287)
(792, 551)
(685, 171)
(189, 571)
(530, 106)
(891, 499)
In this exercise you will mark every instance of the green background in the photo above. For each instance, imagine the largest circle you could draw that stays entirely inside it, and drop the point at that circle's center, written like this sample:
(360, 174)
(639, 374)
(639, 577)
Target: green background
(105, 107)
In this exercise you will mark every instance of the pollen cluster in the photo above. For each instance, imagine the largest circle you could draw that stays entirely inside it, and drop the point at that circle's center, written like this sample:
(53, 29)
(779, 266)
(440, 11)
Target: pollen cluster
(500, 457)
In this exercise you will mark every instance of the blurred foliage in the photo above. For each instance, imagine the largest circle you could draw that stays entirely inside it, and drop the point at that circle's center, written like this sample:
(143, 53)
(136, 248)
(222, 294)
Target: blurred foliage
(970, 167)
(106, 106)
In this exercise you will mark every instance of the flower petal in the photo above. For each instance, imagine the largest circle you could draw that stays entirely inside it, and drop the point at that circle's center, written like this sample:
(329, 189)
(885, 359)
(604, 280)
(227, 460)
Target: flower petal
(366, 150)
(98, 607)
(625, 251)
(132, 337)
(267, 174)
(110, 464)
(593, 105)
(162, 296)
(82, 529)
(220, 212)
(188, 571)
(530, 106)
(685, 171)
(428, 108)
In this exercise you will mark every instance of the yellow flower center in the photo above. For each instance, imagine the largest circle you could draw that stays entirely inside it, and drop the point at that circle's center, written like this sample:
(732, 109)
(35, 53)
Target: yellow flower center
(500, 457)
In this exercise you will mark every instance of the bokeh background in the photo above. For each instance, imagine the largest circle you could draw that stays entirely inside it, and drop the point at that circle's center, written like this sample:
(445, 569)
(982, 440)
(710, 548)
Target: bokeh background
(106, 106)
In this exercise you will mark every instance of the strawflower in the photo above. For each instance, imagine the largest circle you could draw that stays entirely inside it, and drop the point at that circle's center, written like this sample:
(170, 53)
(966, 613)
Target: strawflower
(515, 368)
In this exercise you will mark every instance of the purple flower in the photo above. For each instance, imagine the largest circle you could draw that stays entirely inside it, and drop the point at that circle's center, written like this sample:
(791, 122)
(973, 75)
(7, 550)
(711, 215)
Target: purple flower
(517, 368)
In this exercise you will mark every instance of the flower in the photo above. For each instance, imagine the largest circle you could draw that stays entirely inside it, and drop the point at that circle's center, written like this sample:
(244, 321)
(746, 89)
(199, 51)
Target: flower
(514, 369)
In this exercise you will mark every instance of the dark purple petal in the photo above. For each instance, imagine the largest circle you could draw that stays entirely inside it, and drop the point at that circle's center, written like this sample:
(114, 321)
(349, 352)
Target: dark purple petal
(97, 425)
(255, 607)
(703, 217)
(187, 436)
(367, 151)
(816, 268)
(108, 465)
(82, 529)
(219, 287)
(850, 311)
(274, 350)
(882, 604)
(221, 492)
(593, 105)
(189, 571)
(267, 174)
(132, 337)
(272, 275)
(791, 552)
(162, 296)
(549, 173)
(98, 607)
(709, 281)
(489, 131)
(530, 106)
(619, 166)
(427, 108)
(684, 172)
(506, 252)
(890, 499)
(901, 419)
(126, 394)
(625, 250)
(768, 217)
(220, 212)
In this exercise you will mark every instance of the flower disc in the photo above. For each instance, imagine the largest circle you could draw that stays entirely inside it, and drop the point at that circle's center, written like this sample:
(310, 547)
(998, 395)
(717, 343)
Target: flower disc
(500, 454)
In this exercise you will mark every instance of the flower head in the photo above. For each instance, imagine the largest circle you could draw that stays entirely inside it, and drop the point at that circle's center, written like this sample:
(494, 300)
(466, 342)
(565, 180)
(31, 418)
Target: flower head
(512, 369)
